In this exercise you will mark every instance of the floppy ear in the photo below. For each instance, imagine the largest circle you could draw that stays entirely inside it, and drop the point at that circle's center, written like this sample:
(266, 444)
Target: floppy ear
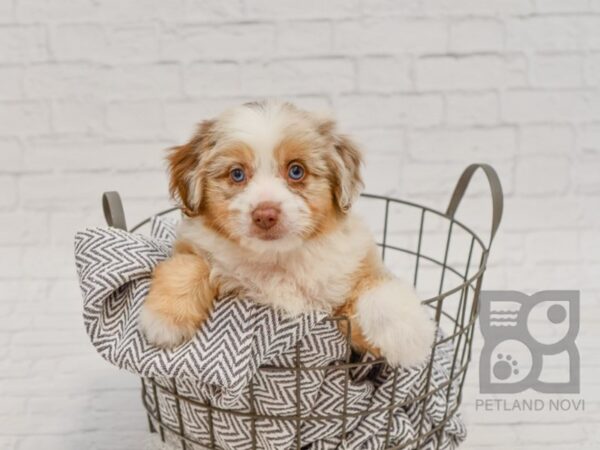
(347, 181)
(345, 162)
(185, 184)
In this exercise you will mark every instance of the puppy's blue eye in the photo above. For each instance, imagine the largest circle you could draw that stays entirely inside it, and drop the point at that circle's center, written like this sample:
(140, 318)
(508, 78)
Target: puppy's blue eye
(296, 172)
(237, 175)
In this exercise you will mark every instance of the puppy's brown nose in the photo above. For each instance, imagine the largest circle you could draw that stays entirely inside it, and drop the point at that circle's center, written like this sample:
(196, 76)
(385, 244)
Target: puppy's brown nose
(265, 215)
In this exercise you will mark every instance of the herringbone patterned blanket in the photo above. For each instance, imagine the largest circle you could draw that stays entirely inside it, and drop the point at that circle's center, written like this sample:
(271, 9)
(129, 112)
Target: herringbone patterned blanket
(220, 366)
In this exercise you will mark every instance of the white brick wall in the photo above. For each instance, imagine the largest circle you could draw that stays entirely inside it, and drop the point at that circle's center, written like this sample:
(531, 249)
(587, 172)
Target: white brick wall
(91, 91)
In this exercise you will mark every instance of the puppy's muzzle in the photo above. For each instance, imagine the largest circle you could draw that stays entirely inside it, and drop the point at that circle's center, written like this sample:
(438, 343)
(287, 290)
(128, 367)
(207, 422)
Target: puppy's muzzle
(266, 215)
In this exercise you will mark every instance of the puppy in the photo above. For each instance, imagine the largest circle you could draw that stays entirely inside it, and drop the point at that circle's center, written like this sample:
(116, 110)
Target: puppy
(266, 190)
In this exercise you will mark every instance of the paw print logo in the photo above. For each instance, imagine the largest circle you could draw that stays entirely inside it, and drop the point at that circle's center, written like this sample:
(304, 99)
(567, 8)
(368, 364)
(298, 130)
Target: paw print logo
(505, 367)
(522, 333)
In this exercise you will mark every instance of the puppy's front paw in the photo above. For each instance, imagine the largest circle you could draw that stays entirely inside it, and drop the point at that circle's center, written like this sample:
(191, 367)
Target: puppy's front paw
(179, 300)
(163, 332)
(393, 320)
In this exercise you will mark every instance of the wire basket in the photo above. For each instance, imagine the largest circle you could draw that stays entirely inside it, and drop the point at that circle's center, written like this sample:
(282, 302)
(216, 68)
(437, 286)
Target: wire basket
(446, 260)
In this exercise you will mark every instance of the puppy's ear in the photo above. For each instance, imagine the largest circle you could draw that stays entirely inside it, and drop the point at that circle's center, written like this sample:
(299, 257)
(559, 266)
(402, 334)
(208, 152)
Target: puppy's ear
(185, 184)
(346, 162)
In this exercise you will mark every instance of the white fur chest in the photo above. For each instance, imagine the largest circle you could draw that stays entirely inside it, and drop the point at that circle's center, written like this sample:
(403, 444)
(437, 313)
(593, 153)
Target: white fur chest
(315, 275)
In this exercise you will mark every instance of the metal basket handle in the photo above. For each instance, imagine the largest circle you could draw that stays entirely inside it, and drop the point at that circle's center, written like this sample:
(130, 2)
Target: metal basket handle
(113, 210)
(495, 187)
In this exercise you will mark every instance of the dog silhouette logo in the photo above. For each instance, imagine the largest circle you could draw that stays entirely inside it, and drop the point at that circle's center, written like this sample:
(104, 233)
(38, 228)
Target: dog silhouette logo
(529, 342)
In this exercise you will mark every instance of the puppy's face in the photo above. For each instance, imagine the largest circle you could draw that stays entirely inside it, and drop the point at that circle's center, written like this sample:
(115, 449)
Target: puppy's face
(267, 175)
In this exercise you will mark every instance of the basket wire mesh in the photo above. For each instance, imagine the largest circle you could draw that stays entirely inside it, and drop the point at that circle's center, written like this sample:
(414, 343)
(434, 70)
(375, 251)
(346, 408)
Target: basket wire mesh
(455, 251)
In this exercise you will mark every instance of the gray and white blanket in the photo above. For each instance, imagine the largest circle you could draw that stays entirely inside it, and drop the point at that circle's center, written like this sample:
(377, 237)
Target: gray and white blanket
(246, 347)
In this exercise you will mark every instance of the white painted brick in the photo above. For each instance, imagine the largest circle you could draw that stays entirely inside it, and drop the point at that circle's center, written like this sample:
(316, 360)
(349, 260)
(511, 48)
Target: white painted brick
(7, 11)
(590, 245)
(28, 117)
(547, 214)
(9, 442)
(142, 185)
(11, 86)
(49, 80)
(182, 117)
(66, 154)
(476, 35)
(143, 81)
(18, 290)
(557, 70)
(379, 140)
(542, 33)
(529, 106)
(213, 10)
(13, 405)
(189, 42)
(509, 249)
(564, 433)
(589, 217)
(75, 154)
(47, 405)
(391, 7)
(558, 6)
(22, 43)
(307, 76)
(22, 228)
(116, 43)
(11, 262)
(134, 155)
(11, 155)
(470, 72)
(389, 110)
(212, 79)
(384, 74)
(385, 176)
(553, 33)
(172, 11)
(472, 108)
(139, 119)
(52, 10)
(546, 139)
(379, 35)
(129, 11)
(8, 187)
(64, 296)
(63, 225)
(127, 43)
(589, 140)
(478, 8)
(592, 69)
(463, 144)
(438, 178)
(587, 176)
(78, 41)
(69, 191)
(77, 116)
(542, 175)
(52, 425)
(304, 38)
(303, 10)
(486, 436)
